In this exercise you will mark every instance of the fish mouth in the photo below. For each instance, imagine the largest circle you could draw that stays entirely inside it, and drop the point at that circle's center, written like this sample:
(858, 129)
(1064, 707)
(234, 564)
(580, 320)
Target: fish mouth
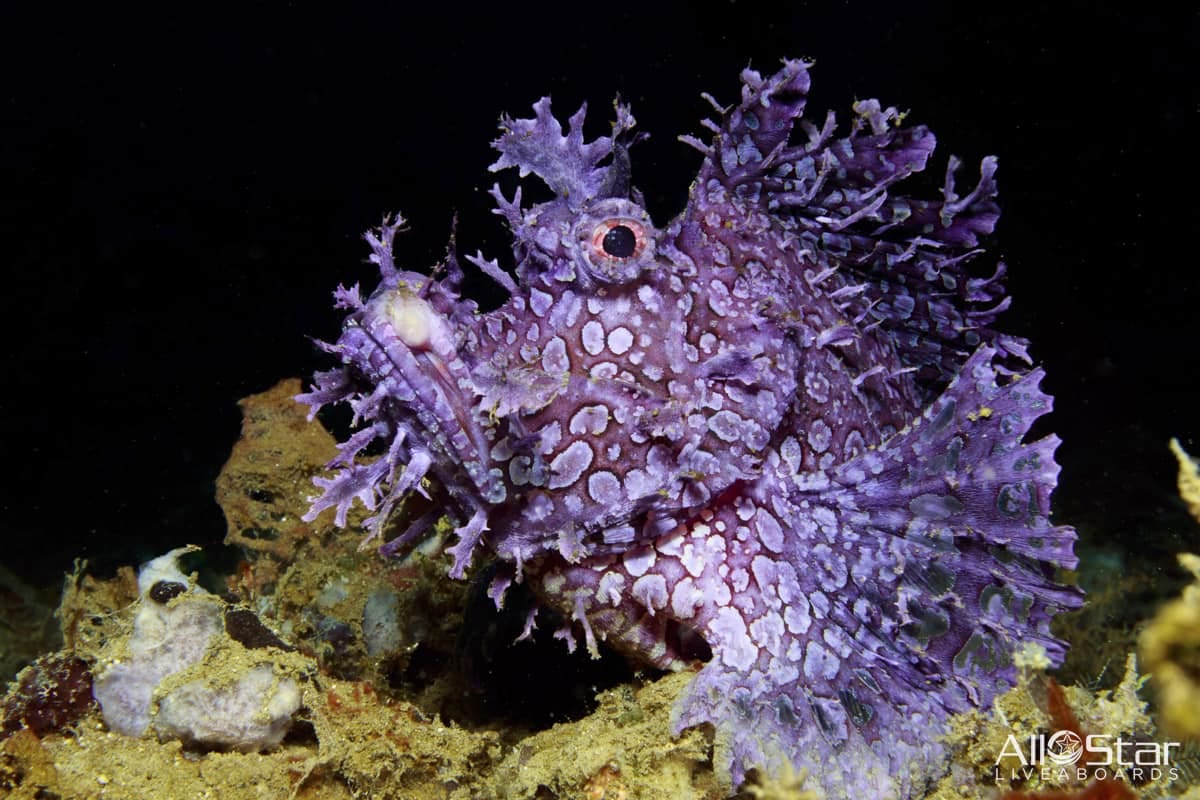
(415, 352)
(405, 375)
(419, 344)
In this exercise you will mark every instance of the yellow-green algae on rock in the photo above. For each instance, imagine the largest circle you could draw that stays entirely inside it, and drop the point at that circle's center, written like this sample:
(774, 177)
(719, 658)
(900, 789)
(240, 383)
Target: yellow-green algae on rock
(359, 739)
(978, 738)
(1170, 645)
(353, 738)
(1170, 648)
(1189, 478)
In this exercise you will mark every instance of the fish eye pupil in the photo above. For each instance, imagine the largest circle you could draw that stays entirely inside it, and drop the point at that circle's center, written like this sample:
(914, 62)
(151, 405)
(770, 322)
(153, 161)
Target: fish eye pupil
(620, 242)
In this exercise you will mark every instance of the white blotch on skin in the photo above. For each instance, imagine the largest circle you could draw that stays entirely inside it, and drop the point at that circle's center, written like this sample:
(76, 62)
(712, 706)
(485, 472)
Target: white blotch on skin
(538, 507)
(639, 561)
(692, 560)
(568, 465)
(550, 435)
(768, 632)
(639, 484)
(672, 544)
(819, 662)
(604, 371)
(729, 630)
(651, 592)
(589, 419)
(555, 359)
(744, 507)
(820, 604)
(540, 302)
(726, 425)
(620, 340)
(566, 310)
(769, 531)
(817, 386)
(685, 599)
(650, 299)
(792, 453)
(833, 567)
(604, 488)
(739, 580)
(838, 642)
(819, 435)
(796, 615)
(718, 298)
(593, 337)
(854, 444)
(611, 588)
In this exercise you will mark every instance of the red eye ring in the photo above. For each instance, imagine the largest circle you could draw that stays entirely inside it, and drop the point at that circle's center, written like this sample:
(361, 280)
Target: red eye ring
(619, 239)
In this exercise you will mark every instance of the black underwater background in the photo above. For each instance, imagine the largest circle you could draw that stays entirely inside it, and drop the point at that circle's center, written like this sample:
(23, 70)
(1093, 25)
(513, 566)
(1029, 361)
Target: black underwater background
(184, 187)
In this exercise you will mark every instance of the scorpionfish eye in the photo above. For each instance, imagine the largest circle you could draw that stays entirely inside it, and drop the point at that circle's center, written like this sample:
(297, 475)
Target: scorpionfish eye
(619, 238)
(616, 240)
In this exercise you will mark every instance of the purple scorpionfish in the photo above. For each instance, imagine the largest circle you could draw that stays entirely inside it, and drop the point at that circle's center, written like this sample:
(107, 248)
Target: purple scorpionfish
(783, 422)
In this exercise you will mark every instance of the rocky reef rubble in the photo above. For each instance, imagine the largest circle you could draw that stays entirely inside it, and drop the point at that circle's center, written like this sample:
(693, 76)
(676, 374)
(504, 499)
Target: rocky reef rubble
(327, 673)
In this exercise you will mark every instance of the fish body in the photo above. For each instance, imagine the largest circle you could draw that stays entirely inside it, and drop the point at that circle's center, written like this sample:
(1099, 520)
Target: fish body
(779, 434)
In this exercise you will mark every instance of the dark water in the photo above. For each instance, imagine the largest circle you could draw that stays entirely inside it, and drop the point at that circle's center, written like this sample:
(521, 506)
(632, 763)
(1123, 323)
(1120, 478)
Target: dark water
(185, 188)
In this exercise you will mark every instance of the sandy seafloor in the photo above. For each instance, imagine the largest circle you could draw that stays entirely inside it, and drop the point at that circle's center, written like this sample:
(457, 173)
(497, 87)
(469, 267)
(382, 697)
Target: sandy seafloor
(187, 187)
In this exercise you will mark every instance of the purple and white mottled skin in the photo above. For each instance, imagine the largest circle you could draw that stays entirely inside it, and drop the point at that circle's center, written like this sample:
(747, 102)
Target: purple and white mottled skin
(783, 422)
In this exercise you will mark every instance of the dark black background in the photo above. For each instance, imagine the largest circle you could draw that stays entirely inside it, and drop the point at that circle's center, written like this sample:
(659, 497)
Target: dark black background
(184, 188)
